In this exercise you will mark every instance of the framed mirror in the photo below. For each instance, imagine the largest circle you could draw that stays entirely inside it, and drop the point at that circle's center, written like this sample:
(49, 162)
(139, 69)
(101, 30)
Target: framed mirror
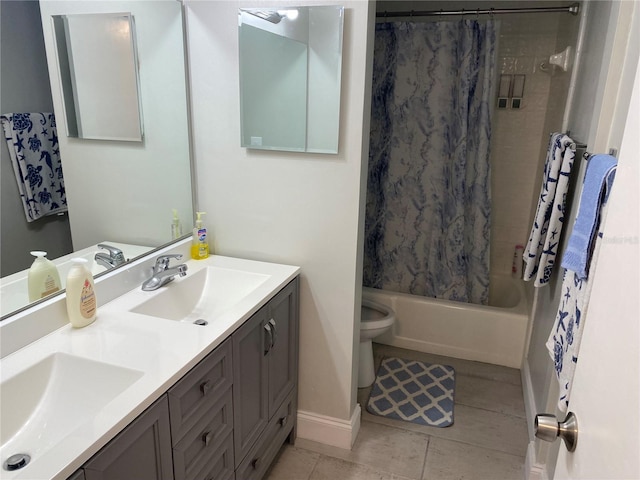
(119, 193)
(101, 99)
(290, 75)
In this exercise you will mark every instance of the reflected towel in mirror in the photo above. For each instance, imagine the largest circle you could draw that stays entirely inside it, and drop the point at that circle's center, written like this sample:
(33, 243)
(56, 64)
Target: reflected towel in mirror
(32, 140)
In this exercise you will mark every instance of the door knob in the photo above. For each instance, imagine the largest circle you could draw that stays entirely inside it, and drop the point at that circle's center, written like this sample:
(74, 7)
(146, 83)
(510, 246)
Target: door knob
(548, 429)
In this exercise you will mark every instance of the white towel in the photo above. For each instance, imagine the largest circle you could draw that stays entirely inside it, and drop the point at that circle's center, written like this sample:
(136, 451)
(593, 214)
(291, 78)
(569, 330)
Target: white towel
(564, 340)
(540, 253)
(32, 140)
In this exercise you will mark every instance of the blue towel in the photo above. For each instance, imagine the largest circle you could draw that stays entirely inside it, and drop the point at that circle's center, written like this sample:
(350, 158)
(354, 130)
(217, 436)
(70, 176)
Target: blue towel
(595, 190)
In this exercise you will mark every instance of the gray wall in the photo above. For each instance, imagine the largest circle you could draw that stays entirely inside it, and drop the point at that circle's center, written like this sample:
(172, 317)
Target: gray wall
(24, 88)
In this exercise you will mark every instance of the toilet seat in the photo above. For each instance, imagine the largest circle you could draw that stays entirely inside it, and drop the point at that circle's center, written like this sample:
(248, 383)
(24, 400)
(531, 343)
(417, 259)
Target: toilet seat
(375, 315)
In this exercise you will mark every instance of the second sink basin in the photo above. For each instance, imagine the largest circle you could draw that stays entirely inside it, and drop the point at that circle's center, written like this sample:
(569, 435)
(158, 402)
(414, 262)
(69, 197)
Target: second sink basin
(46, 401)
(204, 294)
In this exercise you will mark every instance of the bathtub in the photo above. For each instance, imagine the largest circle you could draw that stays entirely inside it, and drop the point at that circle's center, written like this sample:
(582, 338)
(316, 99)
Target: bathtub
(492, 334)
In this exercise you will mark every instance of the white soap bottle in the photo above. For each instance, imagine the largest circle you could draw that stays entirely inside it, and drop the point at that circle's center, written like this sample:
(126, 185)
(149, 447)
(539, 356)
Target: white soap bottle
(81, 297)
(43, 278)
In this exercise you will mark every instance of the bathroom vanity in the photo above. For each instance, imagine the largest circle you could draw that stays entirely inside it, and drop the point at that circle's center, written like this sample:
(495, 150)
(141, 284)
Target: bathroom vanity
(230, 413)
(150, 393)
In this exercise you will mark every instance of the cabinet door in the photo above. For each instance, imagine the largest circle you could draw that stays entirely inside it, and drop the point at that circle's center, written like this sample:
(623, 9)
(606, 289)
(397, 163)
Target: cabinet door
(78, 475)
(250, 407)
(142, 451)
(282, 312)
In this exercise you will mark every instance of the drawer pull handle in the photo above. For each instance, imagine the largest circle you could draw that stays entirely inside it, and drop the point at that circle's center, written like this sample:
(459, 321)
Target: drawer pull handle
(255, 463)
(269, 343)
(207, 438)
(283, 420)
(274, 337)
(205, 387)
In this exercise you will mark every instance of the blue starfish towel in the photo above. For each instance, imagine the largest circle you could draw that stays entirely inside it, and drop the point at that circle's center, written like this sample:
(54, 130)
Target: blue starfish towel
(32, 140)
(597, 184)
(540, 253)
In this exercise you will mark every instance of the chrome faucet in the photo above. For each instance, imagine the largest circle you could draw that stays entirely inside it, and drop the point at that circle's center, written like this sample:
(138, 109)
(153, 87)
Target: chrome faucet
(112, 259)
(162, 274)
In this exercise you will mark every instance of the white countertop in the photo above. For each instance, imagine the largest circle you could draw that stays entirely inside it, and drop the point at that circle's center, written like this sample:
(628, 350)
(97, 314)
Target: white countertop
(162, 350)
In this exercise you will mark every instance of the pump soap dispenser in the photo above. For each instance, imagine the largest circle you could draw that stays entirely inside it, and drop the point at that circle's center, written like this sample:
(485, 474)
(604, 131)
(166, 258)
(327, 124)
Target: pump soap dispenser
(176, 228)
(200, 244)
(43, 278)
(81, 297)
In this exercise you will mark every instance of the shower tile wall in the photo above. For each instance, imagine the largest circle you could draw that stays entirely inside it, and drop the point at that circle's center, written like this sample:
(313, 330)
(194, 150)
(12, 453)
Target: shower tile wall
(518, 145)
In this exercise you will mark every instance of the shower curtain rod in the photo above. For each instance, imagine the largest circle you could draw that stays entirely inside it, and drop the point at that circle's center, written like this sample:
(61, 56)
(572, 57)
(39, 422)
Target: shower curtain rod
(573, 9)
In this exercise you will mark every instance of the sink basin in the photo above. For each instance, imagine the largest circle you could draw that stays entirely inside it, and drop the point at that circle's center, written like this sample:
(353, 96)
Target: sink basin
(203, 294)
(42, 404)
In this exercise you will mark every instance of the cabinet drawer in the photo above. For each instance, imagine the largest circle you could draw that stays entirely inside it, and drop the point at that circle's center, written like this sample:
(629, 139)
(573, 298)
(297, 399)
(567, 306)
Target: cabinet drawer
(198, 390)
(259, 458)
(202, 445)
(216, 466)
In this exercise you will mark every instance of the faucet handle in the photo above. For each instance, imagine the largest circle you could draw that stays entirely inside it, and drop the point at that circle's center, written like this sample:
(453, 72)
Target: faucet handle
(163, 260)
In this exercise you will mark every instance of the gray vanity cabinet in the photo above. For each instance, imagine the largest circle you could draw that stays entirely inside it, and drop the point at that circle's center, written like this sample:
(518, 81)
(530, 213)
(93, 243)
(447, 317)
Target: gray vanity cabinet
(141, 451)
(265, 370)
(225, 419)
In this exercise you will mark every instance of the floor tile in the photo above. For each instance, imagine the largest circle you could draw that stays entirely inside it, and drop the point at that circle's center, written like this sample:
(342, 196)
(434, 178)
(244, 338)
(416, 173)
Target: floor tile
(487, 441)
(292, 464)
(489, 395)
(483, 428)
(329, 468)
(449, 460)
(394, 450)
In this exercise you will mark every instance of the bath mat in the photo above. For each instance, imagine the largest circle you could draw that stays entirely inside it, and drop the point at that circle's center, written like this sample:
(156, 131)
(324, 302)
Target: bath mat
(413, 391)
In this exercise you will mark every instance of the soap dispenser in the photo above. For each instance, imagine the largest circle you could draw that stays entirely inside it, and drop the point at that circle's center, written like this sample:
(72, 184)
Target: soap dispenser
(199, 243)
(176, 228)
(43, 278)
(81, 297)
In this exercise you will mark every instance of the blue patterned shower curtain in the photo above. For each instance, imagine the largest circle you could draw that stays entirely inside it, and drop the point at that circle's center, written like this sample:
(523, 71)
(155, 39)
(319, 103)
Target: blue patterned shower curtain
(428, 195)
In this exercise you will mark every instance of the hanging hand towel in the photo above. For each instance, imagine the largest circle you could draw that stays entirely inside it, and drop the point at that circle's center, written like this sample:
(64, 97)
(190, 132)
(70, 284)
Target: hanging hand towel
(33, 146)
(540, 253)
(566, 334)
(597, 183)
(564, 340)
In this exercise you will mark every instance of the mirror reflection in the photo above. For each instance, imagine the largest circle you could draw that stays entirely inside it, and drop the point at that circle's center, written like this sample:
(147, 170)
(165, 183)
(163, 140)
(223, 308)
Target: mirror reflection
(290, 72)
(118, 193)
(100, 98)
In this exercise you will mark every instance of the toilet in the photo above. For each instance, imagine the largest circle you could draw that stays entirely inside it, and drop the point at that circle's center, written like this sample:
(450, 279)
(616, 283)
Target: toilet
(375, 320)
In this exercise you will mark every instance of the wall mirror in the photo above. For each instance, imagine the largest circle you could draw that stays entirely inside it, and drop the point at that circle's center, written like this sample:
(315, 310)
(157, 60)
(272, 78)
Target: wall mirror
(101, 98)
(290, 73)
(117, 192)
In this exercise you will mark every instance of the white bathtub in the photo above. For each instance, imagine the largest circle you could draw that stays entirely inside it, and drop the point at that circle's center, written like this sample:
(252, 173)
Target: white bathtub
(492, 334)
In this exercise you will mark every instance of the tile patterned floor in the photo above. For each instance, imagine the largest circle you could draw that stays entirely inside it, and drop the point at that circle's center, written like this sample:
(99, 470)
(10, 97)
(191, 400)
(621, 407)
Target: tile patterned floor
(488, 440)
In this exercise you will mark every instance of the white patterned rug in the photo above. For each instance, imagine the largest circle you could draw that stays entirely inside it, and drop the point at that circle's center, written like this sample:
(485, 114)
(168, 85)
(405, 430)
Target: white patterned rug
(414, 392)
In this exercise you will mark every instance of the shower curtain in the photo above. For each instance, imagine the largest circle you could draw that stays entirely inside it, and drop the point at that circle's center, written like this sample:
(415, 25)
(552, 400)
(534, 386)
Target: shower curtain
(428, 195)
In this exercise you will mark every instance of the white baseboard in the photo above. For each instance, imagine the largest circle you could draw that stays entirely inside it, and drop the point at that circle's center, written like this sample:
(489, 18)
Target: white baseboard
(329, 430)
(532, 469)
